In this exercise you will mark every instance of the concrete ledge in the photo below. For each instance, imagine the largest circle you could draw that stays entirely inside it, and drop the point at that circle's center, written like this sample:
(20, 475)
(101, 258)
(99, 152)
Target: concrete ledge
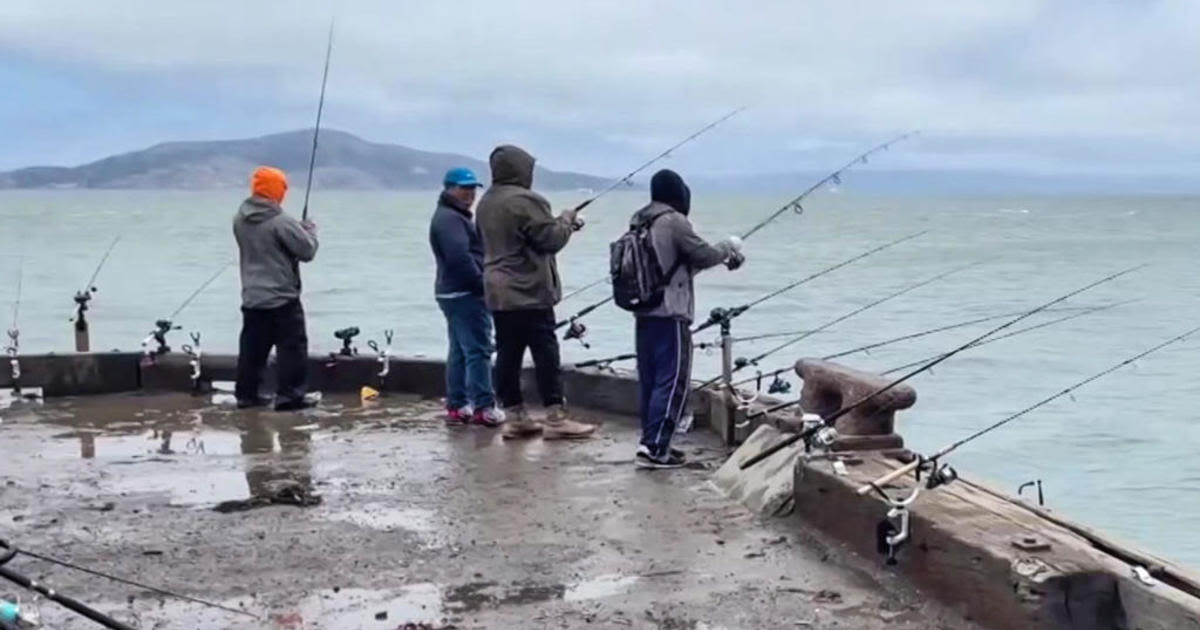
(77, 374)
(962, 552)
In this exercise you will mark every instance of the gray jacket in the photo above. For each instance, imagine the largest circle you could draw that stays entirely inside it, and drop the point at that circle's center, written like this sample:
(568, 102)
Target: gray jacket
(520, 237)
(272, 246)
(676, 242)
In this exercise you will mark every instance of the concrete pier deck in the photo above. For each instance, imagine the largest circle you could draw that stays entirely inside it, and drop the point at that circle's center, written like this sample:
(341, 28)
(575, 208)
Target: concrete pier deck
(418, 522)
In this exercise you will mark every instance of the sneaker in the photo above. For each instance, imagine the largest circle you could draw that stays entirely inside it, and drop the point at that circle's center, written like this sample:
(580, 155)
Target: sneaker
(458, 415)
(488, 417)
(520, 425)
(673, 459)
(560, 426)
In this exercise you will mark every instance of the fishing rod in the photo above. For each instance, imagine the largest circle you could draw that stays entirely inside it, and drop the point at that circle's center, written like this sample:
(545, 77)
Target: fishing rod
(158, 334)
(125, 581)
(834, 177)
(1019, 331)
(69, 603)
(830, 420)
(83, 296)
(627, 179)
(953, 446)
(744, 363)
(719, 315)
(585, 287)
(722, 315)
(312, 160)
(930, 331)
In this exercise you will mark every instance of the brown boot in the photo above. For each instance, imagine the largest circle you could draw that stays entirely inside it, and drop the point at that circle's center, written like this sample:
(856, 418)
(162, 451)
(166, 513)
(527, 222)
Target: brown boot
(559, 426)
(519, 424)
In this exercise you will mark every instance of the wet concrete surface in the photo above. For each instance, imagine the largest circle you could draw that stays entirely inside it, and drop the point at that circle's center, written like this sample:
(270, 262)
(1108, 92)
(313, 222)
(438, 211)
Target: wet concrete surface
(417, 523)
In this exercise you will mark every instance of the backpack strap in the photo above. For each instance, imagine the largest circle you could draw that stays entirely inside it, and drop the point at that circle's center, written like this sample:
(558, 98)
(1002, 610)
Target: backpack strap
(647, 223)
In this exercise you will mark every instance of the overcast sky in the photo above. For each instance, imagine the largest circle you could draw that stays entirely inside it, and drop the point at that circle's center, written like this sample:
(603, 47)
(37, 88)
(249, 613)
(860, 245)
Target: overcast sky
(1059, 86)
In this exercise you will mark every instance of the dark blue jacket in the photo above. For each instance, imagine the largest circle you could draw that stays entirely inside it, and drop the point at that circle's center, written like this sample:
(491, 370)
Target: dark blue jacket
(456, 248)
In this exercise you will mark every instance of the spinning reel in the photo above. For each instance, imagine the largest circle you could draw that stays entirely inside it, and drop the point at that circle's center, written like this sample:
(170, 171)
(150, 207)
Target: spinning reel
(347, 335)
(576, 330)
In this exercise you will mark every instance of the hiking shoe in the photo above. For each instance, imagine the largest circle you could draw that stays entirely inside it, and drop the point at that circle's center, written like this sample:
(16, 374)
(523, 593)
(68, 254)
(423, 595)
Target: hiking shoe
(560, 426)
(673, 459)
(460, 415)
(488, 417)
(519, 424)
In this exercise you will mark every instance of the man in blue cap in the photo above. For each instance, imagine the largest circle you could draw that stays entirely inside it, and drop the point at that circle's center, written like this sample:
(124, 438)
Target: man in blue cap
(458, 252)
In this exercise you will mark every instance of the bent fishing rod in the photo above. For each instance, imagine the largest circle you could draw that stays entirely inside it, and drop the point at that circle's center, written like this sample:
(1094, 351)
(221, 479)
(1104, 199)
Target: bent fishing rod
(158, 334)
(83, 297)
(830, 420)
(1079, 312)
(10, 551)
(721, 315)
(744, 363)
(312, 159)
(919, 462)
(578, 330)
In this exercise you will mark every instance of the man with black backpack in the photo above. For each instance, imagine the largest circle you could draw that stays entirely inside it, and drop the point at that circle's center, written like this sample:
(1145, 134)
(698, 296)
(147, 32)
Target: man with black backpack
(652, 268)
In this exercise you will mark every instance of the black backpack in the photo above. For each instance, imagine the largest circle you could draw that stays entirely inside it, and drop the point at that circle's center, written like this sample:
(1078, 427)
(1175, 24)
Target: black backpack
(638, 281)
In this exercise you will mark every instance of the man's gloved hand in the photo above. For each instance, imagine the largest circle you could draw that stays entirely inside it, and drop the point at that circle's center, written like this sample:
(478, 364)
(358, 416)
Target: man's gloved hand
(309, 226)
(735, 243)
(735, 260)
(573, 219)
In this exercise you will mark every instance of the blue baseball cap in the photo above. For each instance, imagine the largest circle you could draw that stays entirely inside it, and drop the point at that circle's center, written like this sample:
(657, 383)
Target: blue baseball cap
(462, 177)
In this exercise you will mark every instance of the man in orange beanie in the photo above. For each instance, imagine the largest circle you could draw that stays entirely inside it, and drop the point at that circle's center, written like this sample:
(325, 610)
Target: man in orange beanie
(272, 246)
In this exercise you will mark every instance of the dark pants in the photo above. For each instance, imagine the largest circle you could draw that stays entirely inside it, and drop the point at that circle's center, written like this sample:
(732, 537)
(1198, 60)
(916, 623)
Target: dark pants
(283, 329)
(516, 331)
(664, 362)
(469, 359)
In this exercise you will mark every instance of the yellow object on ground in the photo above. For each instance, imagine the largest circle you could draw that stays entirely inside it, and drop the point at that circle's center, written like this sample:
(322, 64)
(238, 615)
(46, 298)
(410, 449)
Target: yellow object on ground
(368, 393)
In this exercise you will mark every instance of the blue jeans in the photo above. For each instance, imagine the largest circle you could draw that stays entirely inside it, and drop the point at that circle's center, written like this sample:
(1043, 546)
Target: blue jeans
(469, 361)
(664, 363)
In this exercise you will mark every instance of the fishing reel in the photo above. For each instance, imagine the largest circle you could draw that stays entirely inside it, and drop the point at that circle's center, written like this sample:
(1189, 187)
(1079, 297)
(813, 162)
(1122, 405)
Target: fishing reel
(81, 302)
(158, 336)
(723, 317)
(576, 330)
(347, 335)
(384, 354)
(894, 530)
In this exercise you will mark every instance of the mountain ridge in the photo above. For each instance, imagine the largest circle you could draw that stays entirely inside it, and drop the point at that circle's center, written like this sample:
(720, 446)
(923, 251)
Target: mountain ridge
(344, 161)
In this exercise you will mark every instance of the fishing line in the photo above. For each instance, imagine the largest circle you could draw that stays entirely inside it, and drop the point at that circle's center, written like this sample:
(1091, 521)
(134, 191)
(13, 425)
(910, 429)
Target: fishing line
(754, 361)
(887, 342)
(831, 419)
(127, 582)
(312, 160)
(878, 483)
(17, 302)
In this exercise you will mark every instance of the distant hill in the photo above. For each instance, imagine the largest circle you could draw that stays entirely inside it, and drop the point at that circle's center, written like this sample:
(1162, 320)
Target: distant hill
(344, 161)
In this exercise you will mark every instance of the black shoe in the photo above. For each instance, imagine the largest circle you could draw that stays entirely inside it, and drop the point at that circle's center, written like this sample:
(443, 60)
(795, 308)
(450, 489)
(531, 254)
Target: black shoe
(673, 459)
(295, 405)
(250, 403)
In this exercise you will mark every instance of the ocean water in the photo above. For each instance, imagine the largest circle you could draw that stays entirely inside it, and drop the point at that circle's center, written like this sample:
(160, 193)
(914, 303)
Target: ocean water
(1120, 455)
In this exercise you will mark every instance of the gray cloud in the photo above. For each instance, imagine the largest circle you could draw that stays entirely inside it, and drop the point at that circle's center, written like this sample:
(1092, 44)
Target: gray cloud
(1037, 85)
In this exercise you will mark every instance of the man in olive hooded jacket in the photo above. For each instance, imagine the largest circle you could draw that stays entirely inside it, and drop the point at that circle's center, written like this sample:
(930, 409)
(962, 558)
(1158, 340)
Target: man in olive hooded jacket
(521, 286)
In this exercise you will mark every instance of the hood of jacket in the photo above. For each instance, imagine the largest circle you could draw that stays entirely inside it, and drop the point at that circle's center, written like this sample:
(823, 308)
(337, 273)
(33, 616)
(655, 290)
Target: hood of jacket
(511, 165)
(258, 209)
(668, 187)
